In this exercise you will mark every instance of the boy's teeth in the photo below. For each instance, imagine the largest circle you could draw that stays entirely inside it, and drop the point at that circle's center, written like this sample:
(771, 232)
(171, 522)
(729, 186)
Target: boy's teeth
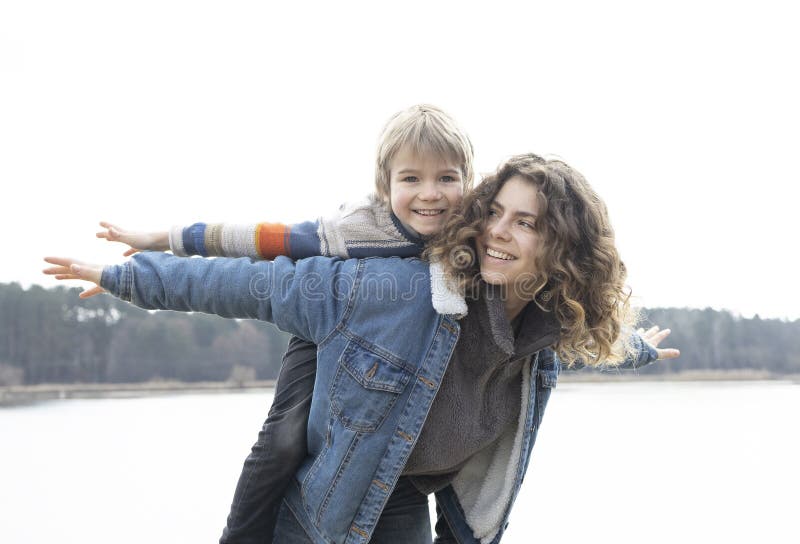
(429, 212)
(499, 255)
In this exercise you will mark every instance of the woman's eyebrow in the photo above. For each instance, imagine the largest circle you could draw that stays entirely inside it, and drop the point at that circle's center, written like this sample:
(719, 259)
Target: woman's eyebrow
(518, 213)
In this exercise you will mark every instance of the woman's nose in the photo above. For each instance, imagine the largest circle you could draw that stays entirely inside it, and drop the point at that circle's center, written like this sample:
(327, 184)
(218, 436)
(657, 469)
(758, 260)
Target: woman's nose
(499, 230)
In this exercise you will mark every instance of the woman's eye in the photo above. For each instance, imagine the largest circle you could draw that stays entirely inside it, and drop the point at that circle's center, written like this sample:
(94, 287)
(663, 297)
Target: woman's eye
(526, 225)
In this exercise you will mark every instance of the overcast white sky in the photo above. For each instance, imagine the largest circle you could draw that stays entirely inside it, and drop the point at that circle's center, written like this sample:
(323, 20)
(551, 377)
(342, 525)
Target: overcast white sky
(683, 115)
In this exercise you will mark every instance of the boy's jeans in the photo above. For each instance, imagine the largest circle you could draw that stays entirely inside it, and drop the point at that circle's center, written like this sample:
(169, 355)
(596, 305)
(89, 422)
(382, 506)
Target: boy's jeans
(278, 452)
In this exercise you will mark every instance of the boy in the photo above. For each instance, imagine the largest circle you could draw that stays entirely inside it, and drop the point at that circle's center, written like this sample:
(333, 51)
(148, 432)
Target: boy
(423, 168)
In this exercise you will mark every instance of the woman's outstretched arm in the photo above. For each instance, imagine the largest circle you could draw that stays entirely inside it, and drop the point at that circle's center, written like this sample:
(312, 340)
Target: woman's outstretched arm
(307, 298)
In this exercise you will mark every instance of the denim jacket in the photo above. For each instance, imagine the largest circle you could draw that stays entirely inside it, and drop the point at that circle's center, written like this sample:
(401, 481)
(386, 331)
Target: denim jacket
(385, 330)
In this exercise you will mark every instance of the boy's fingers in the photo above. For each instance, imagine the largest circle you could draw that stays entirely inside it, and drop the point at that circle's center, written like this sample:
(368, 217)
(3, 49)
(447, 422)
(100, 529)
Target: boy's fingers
(130, 252)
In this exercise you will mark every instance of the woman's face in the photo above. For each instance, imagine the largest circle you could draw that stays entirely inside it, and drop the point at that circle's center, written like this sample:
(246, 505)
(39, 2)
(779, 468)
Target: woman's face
(510, 241)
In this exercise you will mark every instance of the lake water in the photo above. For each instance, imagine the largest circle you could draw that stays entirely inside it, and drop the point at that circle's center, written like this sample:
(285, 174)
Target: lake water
(618, 463)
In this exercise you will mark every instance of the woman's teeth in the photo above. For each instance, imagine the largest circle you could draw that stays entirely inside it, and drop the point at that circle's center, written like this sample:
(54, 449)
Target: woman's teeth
(499, 255)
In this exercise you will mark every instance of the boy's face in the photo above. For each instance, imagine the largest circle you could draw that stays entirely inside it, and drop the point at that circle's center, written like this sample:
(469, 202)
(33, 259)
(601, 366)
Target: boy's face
(424, 190)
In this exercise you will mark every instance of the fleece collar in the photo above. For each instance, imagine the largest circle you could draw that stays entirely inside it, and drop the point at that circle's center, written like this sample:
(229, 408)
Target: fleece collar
(446, 299)
(538, 328)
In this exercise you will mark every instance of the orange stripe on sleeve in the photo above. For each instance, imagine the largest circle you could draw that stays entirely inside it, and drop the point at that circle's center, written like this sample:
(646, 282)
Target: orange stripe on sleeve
(272, 240)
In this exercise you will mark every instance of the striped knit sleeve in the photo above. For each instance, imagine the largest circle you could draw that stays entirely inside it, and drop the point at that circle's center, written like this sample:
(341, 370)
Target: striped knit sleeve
(257, 240)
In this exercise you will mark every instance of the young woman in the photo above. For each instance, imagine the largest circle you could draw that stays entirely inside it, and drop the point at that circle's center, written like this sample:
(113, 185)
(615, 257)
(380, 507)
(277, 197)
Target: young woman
(431, 377)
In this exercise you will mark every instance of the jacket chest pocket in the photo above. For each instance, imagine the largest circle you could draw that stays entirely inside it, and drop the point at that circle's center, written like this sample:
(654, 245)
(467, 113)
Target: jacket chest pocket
(365, 388)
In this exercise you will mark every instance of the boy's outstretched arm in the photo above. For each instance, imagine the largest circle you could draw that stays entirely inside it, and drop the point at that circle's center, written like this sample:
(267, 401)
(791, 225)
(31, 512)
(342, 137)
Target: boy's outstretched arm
(306, 298)
(258, 241)
(362, 229)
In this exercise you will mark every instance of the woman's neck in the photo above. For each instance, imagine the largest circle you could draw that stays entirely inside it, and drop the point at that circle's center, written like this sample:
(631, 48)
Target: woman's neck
(513, 307)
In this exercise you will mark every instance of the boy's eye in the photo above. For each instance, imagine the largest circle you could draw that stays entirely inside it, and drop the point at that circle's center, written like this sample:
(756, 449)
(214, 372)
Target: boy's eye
(410, 179)
(448, 179)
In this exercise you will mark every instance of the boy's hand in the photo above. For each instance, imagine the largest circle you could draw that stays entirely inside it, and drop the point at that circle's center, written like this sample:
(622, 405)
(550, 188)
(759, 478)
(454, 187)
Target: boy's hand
(71, 269)
(139, 241)
(654, 336)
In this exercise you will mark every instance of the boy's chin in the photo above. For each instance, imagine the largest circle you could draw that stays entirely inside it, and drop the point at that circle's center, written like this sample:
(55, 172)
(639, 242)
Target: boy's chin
(426, 231)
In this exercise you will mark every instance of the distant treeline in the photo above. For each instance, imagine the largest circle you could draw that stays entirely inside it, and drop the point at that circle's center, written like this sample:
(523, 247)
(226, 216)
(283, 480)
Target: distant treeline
(52, 336)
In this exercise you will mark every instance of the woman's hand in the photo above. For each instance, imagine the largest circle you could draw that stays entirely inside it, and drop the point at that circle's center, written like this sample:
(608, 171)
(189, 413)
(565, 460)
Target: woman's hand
(654, 336)
(138, 241)
(71, 269)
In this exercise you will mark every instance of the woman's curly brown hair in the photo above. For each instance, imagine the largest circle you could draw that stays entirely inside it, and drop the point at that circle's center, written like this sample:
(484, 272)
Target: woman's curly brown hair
(579, 275)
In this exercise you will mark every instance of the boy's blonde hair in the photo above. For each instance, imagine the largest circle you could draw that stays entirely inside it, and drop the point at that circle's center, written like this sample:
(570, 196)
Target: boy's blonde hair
(428, 131)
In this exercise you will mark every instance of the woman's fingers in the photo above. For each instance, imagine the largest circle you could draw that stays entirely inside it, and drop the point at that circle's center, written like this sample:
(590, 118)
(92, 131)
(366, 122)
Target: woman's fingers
(91, 292)
(62, 266)
(61, 261)
(651, 331)
(71, 269)
(657, 337)
(669, 353)
(130, 252)
(67, 277)
(654, 336)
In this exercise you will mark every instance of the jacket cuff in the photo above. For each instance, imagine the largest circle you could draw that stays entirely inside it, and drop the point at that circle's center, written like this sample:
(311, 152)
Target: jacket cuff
(647, 353)
(118, 280)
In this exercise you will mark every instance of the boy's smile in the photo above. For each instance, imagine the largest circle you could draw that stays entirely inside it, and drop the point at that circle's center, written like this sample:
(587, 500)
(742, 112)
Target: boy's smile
(424, 189)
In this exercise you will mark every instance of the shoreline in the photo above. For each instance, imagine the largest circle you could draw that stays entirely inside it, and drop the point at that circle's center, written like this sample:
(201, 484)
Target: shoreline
(29, 394)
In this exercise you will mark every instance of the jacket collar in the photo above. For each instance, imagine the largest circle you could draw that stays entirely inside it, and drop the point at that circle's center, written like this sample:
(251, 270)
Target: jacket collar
(538, 329)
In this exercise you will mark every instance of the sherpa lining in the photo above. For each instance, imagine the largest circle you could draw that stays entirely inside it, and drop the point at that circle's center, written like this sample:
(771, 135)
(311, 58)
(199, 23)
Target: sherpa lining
(445, 299)
(485, 485)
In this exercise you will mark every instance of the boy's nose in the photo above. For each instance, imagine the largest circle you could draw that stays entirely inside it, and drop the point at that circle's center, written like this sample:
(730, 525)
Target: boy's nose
(430, 192)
